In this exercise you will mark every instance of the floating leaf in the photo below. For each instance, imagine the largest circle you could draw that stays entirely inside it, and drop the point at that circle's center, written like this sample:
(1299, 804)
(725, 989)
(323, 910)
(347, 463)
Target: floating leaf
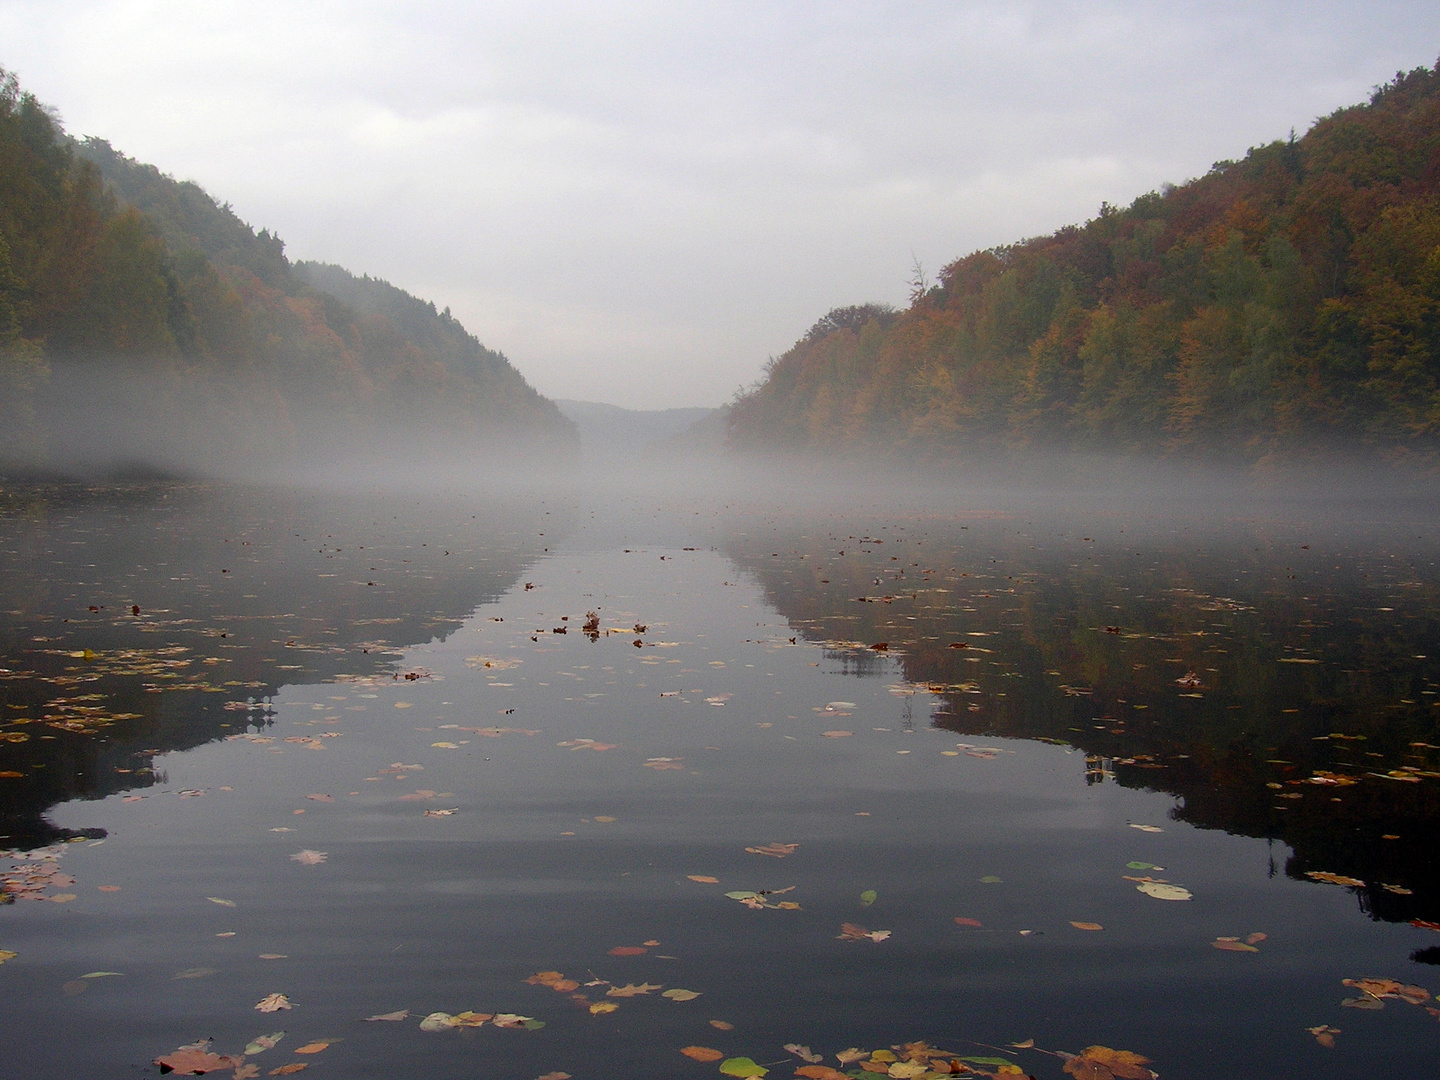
(221, 901)
(261, 1043)
(868, 897)
(504, 1020)
(1230, 944)
(680, 995)
(1086, 925)
(627, 950)
(602, 1007)
(631, 990)
(195, 1060)
(400, 1014)
(1163, 890)
(100, 974)
(1324, 1034)
(704, 879)
(854, 1054)
(306, 857)
(6, 954)
(779, 851)
(963, 921)
(1147, 828)
(820, 1072)
(804, 1053)
(1138, 865)
(722, 1025)
(437, 1021)
(313, 1047)
(293, 1067)
(742, 1066)
(701, 1053)
(274, 1003)
(1103, 1063)
(988, 1060)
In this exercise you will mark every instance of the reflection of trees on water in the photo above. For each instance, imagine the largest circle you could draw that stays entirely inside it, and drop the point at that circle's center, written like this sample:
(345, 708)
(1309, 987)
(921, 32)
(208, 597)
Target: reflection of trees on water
(243, 593)
(1273, 694)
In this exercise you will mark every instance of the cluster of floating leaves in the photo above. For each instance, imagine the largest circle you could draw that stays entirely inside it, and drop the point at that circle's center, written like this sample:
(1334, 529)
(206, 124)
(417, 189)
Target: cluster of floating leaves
(921, 1061)
(33, 874)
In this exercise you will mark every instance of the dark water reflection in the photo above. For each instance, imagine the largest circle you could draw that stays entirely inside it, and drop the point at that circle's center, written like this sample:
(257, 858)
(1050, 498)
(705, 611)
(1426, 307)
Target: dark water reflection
(1257, 692)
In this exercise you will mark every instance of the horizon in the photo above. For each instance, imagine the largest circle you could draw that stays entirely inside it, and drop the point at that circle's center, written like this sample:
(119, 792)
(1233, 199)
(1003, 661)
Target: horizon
(645, 223)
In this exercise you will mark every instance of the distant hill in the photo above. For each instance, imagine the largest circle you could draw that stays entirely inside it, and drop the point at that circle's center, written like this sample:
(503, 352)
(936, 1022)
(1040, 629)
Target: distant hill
(1285, 306)
(143, 321)
(609, 432)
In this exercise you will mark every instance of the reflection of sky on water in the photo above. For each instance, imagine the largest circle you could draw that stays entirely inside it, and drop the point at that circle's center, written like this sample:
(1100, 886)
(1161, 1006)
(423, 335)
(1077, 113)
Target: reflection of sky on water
(453, 912)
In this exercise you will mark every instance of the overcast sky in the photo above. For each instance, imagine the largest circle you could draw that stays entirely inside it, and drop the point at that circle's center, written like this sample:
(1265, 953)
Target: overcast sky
(640, 203)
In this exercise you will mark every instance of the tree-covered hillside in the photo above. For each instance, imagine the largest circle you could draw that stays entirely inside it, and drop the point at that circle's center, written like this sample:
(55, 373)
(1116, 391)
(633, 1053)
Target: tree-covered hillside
(119, 283)
(1283, 306)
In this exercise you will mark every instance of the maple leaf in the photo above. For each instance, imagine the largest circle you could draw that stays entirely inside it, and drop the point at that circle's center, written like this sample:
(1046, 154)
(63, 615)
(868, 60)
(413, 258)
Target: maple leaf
(196, 1060)
(1103, 1063)
(273, 1003)
(306, 857)
(631, 990)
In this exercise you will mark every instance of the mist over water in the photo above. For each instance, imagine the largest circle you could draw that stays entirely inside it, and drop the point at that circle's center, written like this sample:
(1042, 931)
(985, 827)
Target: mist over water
(521, 716)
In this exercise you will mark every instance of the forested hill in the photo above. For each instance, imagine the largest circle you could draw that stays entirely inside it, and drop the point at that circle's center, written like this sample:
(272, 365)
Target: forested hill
(1285, 306)
(143, 321)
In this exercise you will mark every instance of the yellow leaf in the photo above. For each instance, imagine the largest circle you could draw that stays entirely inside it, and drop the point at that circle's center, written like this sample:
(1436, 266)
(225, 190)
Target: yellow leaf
(603, 1007)
(312, 1048)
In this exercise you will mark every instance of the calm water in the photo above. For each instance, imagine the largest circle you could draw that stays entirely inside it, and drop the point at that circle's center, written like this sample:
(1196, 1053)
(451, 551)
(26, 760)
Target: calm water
(344, 753)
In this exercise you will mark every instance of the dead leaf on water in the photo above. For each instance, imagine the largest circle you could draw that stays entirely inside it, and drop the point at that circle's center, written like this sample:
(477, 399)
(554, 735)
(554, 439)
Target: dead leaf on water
(804, 1053)
(601, 1007)
(1103, 1063)
(680, 995)
(631, 990)
(704, 879)
(313, 1047)
(1230, 944)
(1086, 925)
(777, 850)
(399, 1014)
(1324, 1034)
(274, 1003)
(722, 1025)
(293, 1067)
(701, 1053)
(195, 1060)
(626, 950)
(306, 857)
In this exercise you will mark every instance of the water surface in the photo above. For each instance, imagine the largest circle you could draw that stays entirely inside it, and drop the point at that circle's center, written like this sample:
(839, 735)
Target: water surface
(957, 728)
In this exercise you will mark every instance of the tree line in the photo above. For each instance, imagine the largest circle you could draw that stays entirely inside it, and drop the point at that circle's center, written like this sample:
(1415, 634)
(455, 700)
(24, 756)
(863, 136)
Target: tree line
(111, 266)
(1284, 306)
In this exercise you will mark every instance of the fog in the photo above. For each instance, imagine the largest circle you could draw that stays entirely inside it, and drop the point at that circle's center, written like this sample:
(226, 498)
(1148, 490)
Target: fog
(640, 203)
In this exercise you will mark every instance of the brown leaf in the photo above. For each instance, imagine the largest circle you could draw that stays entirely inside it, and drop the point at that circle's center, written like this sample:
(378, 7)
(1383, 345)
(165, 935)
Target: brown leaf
(701, 1053)
(1103, 1063)
(293, 1067)
(1086, 925)
(704, 879)
(631, 990)
(722, 1025)
(1233, 945)
(196, 1060)
(820, 1072)
(312, 1048)
(779, 851)
(627, 950)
